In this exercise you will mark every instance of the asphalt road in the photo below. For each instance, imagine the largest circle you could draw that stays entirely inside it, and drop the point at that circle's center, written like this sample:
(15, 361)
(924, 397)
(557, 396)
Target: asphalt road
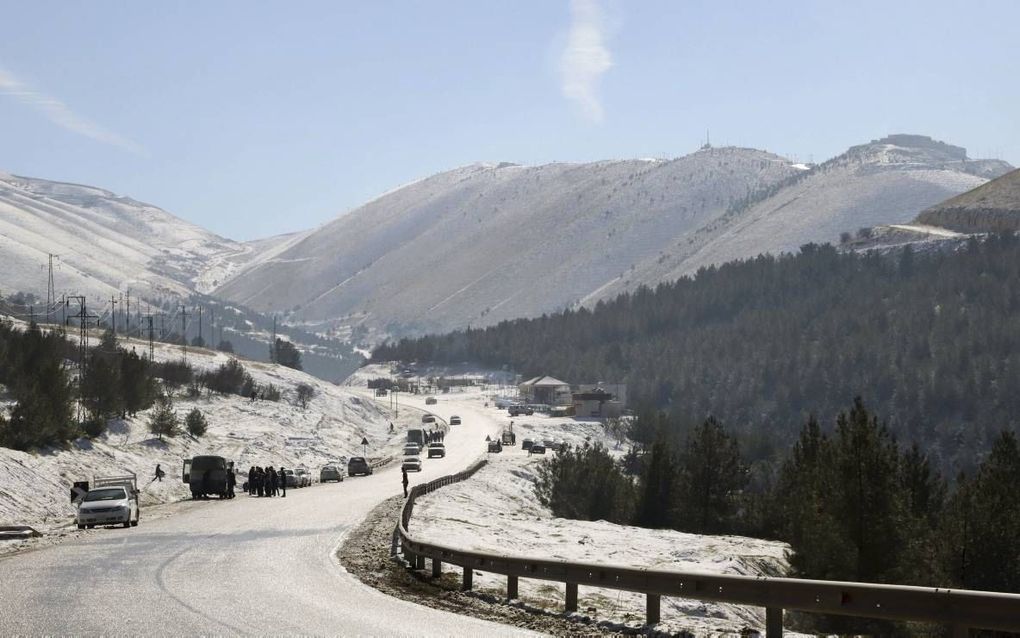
(245, 566)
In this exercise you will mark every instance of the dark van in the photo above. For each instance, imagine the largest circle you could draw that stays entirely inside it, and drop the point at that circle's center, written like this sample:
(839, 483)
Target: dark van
(208, 476)
(358, 465)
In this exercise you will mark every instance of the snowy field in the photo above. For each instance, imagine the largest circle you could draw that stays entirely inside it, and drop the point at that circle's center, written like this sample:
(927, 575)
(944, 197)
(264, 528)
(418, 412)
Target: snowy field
(497, 511)
(34, 488)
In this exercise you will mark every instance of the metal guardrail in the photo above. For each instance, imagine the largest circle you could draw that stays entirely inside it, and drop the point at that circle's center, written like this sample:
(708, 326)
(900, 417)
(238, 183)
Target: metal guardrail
(960, 609)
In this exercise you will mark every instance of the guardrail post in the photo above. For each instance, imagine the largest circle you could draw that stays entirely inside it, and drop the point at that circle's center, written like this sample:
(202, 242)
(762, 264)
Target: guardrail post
(511, 587)
(773, 622)
(653, 608)
(571, 597)
(437, 568)
(468, 577)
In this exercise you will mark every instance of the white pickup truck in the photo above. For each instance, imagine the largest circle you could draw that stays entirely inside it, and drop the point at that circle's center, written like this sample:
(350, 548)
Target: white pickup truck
(112, 500)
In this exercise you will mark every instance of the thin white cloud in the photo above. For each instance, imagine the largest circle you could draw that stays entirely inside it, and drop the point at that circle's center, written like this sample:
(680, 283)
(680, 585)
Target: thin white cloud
(61, 115)
(585, 58)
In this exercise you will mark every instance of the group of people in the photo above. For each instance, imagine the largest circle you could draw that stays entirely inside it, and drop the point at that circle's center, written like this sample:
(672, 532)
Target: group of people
(434, 436)
(267, 481)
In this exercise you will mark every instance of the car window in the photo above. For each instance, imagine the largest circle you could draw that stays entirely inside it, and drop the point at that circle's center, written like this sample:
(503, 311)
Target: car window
(110, 494)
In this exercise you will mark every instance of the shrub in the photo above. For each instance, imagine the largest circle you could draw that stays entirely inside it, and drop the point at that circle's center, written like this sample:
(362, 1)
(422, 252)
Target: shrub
(196, 423)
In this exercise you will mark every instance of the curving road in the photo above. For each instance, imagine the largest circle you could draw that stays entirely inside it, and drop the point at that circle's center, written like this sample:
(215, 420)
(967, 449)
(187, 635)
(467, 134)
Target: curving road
(245, 566)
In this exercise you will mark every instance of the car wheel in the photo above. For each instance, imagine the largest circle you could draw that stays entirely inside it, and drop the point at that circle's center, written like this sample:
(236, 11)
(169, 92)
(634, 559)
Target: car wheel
(81, 527)
(127, 523)
(134, 523)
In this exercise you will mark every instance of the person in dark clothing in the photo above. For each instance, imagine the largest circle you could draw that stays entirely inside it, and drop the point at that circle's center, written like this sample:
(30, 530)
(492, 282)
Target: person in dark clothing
(251, 481)
(403, 471)
(205, 484)
(259, 480)
(231, 480)
(254, 395)
(274, 482)
(283, 483)
(159, 473)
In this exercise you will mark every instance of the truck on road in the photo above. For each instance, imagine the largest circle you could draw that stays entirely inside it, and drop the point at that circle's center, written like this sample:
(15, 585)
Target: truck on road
(112, 500)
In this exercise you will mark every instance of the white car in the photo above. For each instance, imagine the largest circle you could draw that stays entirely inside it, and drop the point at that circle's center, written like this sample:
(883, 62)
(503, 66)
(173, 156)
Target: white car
(412, 449)
(107, 506)
(411, 463)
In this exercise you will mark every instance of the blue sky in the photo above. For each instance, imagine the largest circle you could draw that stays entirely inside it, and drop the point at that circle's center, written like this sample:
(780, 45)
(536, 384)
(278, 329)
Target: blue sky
(257, 118)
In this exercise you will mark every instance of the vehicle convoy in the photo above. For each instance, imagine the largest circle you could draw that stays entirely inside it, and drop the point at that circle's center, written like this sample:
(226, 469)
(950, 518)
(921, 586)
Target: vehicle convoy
(291, 479)
(331, 473)
(358, 465)
(436, 449)
(113, 500)
(410, 449)
(207, 475)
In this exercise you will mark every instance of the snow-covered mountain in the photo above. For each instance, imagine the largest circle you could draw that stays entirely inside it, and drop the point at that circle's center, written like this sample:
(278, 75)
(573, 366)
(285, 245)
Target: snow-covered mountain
(104, 243)
(887, 181)
(496, 241)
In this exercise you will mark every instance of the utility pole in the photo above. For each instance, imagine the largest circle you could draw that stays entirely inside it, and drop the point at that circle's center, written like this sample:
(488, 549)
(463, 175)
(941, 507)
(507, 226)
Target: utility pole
(162, 327)
(83, 324)
(184, 330)
(149, 319)
(200, 326)
(51, 294)
(113, 313)
(127, 324)
(272, 346)
(212, 324)
(63, 309)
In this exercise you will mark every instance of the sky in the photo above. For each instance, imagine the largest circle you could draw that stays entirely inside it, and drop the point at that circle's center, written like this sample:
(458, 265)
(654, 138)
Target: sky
(259, 118)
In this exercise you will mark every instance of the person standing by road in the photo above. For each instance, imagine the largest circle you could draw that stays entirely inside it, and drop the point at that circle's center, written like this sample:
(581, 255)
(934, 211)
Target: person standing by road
(231, 480)
(283, 483)
(403, 471)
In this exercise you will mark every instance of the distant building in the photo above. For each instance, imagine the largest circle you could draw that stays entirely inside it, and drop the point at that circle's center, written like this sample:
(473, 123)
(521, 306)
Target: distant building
(545, 390)
(596, 403)
(618, 390)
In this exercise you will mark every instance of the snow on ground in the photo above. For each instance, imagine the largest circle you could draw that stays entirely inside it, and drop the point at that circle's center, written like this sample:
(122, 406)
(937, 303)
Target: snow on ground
(497, 511)
(35, 487)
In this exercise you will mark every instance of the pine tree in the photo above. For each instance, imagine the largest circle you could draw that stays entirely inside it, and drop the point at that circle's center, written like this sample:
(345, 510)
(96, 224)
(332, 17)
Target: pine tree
(196, 423)
(163, 420)
(712, 474)
(657, 487)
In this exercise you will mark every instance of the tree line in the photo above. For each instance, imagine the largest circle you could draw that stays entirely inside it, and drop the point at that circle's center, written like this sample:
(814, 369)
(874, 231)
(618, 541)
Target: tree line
(932, 339)
(38, 371)
(853, 503)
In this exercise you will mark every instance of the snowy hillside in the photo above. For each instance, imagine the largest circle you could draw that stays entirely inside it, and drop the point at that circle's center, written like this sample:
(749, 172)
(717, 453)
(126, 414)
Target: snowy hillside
(887, 181)
(105, 243)
(488, 242)
(34, 487)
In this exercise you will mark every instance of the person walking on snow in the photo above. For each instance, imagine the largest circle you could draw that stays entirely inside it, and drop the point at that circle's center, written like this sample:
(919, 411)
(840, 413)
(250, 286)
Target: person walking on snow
(159, 473)
(403, 471)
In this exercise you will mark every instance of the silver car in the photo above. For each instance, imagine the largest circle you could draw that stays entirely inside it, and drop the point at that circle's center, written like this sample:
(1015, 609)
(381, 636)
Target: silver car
(107, 506)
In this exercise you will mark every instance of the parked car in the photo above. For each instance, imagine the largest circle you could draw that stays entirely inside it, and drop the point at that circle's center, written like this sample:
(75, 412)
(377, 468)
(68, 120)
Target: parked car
(430, 401)
(517, 410)
(536, 448)
(304, 477)
(331, 473)
(358, 465)
(437, 449)
(526, 444)
(292, 479)
(454, 420)
(428, 418)
(411, 463)
(113, 501)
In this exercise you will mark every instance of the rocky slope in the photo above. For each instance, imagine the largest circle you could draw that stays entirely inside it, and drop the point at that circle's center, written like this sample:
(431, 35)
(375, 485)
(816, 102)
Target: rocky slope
(992, 207)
